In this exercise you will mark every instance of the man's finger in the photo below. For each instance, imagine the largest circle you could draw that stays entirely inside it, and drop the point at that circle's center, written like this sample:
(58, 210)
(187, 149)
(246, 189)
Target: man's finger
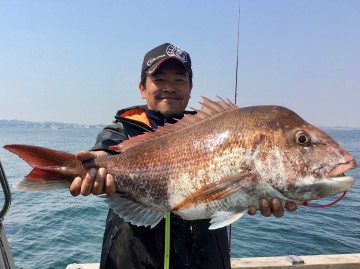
(252, 210)
(98, 187)
(88, 182)
(265, 207)
(276, 207)
(85, 155)
(291, 206)
(75, 186)
(88, 155)
(109, 185)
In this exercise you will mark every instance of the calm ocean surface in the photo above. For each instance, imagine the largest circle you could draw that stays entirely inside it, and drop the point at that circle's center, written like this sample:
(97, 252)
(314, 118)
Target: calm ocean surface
(50, 229)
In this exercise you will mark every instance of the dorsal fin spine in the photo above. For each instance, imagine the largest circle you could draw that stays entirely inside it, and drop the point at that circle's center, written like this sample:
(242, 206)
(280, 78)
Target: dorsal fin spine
(209, 109)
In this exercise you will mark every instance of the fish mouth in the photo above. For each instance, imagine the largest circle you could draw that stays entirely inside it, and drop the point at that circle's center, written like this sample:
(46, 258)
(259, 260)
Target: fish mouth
(332, 186)
(337, 181)
(334, 183)
(340, 170)
(321, 188)
(343, 181)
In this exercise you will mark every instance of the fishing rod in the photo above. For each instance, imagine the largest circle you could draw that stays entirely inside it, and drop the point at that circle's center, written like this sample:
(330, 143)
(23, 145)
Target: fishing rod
(236, 94)
(167, 242)
(237, 54)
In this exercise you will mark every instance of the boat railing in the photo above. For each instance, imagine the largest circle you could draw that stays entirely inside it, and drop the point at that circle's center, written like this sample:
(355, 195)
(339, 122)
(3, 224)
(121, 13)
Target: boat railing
(6, 259)
(7, 194)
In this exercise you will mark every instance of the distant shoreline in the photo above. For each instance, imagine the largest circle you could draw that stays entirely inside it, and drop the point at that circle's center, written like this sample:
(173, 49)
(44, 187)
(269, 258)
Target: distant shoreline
(46, 124)
(60, 125)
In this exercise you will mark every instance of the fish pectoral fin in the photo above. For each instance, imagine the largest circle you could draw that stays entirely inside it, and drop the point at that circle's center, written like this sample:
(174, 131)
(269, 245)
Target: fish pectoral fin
(223, 218)
(135, 213)
(218, 190)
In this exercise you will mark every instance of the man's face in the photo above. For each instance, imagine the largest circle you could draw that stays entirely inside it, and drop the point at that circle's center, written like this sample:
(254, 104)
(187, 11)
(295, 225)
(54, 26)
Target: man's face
(168, 89)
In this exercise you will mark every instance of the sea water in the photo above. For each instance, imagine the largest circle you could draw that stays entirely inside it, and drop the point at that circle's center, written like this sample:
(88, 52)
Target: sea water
(50, 229)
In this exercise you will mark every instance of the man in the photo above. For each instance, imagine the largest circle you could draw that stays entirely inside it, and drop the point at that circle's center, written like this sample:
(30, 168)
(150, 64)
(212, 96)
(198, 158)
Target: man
(166, 84)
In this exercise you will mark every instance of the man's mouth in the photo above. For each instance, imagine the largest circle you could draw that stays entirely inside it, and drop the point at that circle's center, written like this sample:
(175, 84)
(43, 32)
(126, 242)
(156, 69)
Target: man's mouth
(177, 98)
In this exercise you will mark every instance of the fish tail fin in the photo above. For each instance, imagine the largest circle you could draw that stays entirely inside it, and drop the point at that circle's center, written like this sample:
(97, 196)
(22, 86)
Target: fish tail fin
(48, 164)
(44, 173)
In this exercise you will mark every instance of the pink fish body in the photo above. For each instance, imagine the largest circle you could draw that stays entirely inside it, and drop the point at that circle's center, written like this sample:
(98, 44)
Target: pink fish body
(211, 165)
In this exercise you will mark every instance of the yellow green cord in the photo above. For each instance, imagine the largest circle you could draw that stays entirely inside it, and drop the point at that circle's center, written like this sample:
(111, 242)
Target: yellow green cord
(167, 241)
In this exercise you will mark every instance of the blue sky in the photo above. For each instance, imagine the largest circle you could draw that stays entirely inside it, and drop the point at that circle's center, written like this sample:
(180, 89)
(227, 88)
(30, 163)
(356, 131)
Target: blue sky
(79, 61)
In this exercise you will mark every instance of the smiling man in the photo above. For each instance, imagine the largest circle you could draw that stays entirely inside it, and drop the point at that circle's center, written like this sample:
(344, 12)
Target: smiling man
(166, 84)
(166, 80)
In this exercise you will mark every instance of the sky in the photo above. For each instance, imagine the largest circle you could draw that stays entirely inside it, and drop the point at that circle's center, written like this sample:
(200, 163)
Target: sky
(79, 61)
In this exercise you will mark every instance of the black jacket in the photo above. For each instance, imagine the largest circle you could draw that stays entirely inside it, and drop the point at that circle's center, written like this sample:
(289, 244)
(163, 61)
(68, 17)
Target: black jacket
(125, 246)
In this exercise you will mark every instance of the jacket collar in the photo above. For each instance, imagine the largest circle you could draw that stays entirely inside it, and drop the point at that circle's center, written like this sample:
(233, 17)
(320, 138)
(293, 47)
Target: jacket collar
(150, 118)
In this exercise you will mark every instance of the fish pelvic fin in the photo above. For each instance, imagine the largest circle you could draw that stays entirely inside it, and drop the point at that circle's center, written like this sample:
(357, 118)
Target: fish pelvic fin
(135, 213)
(224, 218)
(47, 164)
(209, 109)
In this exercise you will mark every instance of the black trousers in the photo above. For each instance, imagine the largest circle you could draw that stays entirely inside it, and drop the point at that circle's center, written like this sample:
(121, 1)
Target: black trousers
(192, 245)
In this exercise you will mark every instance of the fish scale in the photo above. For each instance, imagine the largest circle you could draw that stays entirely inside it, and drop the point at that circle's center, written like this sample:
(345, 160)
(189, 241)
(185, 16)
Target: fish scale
(212, 165)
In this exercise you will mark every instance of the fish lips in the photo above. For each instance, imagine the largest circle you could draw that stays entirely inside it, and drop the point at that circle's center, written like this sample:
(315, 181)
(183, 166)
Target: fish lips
(310, 188)
(323, 188)
(342, 168)
(335, 185)
(337, 182)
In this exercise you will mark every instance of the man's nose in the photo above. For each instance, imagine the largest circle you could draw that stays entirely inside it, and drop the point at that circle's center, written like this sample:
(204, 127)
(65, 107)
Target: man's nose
(169, 87)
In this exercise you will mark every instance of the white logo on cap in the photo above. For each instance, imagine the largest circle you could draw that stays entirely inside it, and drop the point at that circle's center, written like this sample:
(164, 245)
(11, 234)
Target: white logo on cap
(171, 51)
(179, 53)
(152, 60)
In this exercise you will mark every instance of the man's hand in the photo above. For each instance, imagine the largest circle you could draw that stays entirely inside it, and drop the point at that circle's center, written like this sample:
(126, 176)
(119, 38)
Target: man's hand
(96, 181)
(267, 207)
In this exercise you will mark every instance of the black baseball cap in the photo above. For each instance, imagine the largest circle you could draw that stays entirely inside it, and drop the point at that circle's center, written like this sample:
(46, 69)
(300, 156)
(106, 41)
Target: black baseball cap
(157, 56)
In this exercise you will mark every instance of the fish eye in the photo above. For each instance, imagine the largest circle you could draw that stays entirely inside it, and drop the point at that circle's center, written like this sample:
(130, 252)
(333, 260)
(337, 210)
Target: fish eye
(302, 138)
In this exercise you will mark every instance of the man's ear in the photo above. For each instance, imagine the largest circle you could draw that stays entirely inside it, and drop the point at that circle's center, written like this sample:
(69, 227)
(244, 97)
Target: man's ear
(142, 90)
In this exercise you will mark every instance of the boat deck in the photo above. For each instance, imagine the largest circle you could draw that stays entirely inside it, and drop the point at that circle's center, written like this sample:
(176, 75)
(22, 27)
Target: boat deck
(337, 261)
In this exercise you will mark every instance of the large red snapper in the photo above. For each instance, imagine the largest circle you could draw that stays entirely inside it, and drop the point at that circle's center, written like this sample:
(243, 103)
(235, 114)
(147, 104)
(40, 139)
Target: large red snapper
(211, 165)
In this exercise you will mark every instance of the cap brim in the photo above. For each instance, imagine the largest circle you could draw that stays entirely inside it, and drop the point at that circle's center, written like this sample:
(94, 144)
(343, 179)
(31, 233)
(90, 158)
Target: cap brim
(155, 66)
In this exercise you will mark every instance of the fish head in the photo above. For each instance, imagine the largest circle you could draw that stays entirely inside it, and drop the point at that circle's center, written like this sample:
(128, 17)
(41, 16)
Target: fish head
(322, 164)
(300, 161)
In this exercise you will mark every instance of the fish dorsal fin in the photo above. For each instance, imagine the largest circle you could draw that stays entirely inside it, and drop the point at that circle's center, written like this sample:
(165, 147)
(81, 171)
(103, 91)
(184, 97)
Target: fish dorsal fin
(224, 218)
(209, 109)
(133, 212)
